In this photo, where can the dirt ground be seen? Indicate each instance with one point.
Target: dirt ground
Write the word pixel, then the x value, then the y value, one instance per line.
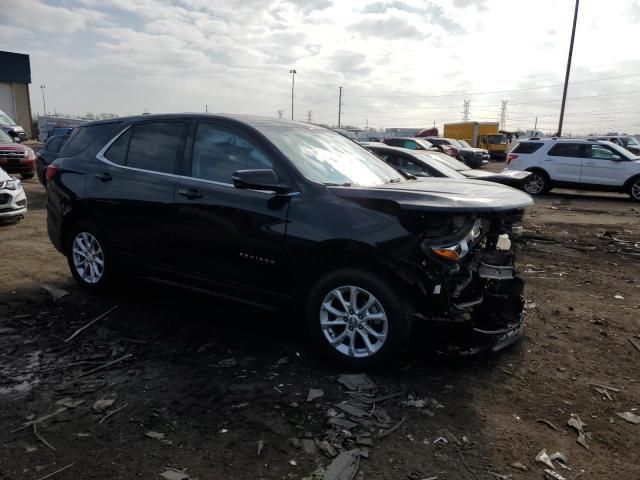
pixel 219 391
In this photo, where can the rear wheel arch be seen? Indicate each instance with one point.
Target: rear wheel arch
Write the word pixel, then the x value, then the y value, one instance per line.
pixel 629 185
pixel 545 180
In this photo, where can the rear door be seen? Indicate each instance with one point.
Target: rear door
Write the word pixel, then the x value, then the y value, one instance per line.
pixel 234 237
pixel 563 162
pixel 602 165
pixel 133 183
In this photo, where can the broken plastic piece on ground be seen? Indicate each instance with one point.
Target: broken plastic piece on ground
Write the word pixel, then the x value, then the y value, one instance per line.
pixel 105 402
pixel 551 475
pixel 579 425
pixel 344 466
pixel 561 459
pixel 173 474
pixel 520 466
pixel 358 382
pixel 55 292
pixel 629 417
pixel 352 410
pixel 314 393
pixel 500 476
pixel 542 457
pixel 260 446
pixel 547 423
pixel 154 435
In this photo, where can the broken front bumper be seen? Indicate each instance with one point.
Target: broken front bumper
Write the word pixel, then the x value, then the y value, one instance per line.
pixel 480 305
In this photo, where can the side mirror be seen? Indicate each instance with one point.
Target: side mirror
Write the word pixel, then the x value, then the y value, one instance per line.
pixel 259 179
pixel 616 158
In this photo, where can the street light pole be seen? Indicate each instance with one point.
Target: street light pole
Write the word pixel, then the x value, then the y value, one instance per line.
pixel 293 85
pixel 44 104
pixel 566 77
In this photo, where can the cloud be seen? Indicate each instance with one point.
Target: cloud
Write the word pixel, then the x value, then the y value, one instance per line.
pixel 346 62
pixel 479 4
pixel 50 18
pixel 431 13
pixel 390 28
pixel 308 6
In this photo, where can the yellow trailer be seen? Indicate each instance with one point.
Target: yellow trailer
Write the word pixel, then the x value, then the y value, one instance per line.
pixel 479 134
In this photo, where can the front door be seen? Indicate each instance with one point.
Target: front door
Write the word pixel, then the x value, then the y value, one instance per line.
pixel 133 183
pixel 234 237
pixel 602 165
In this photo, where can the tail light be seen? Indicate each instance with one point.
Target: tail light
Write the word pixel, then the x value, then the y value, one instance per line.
pixel 52 170
pixel 511 156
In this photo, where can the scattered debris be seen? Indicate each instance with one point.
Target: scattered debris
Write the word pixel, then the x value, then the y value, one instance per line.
pixel 308 446
pixel 579 425
pixel 57 471
pixel 357 382
pixel 104 403
pixel 55 292
pixel 293 462
pixel 618 297
pixel 606 387
pixel 605 392
pixel 552 475
pixel 342 422
pixel 634 343
pixel 547 423
pixel 315 475
pixel 326 448
pixel 42 439
pixel 499 476
pixel 520 466
pixel 314 393
pixel 70 402
pixel 352 410
pixel 260 446
pixel 561 459
pixel 542 457
pixel 173 474
pixel 344 466
pixel 392 429
pixel 229 362
pixel 97 319
pixel 629 417
pixel 113 412
pixel 107 365
pixel 154 435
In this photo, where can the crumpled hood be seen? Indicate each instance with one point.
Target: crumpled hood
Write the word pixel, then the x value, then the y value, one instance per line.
pixel 4 176
pixel 442 194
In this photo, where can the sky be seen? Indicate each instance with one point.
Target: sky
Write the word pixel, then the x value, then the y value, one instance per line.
pixel 400 63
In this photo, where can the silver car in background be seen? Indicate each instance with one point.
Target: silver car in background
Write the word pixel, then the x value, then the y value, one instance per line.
pixel 13 200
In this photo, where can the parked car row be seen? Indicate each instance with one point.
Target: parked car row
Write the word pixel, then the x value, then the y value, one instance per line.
pixel 290 215
pixel 15 157
pixel 576 163
pixel 13 201
pixel 473 157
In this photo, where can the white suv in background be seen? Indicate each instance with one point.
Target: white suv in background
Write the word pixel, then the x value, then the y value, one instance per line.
pixel 576 163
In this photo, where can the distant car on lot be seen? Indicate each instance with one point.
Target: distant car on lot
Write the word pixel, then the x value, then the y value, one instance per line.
pixel 276 214
pixel 345 133
pixel 436 164
pixel 474 157
pixel 13 201
pixel 630 143
pixel 576 163
pixel 16 158
pixel 11 128
pixel 421 144
pixel 48 153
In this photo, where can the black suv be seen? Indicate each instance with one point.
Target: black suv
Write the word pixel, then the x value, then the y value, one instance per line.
pixel 284 214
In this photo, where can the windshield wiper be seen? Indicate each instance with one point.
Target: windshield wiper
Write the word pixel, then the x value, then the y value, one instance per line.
pixel 329 184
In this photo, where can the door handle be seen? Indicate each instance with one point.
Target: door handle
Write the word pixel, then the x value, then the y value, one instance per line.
pixel 190 193
pixel 548 159
pixel 590 163
pixel 103 177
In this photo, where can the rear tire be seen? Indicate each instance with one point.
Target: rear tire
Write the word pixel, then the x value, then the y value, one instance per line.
pixel 537 183
pixel 634 190
pixel 357 318
pixel 89 257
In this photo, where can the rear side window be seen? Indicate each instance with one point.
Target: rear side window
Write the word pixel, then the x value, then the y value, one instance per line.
pixel 117 152
pixel 527 147
pixel 83 137
pixel 55 144
pixel 155 146
pixel 565 150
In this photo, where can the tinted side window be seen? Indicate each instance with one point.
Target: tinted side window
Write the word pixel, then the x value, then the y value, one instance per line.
pixel 83 137
pixel 410 144
pixel 600 152
pixel 155 146
pixel 565 150
pixel 527 147
pixel 54 145
pixel 218 152
pixel 393 142
pixel 117 152
pixel 409 166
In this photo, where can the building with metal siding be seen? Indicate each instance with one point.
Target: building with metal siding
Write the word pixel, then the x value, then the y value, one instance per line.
pixel 15 77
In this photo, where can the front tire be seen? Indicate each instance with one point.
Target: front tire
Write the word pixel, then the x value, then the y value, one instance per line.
pixel 89 257
pixel 357 318
pixel 536 184
pixel 634 190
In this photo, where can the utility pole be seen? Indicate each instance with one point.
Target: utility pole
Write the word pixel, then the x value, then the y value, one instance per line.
pixel 367 124
pixel 44 104
pixel 339 106
pixel 308 116
pixel 466 112
pixel 293 85
pixel 206 108
pixel 566 76
pixel 535 127
pixel 280 113
pixel 503 115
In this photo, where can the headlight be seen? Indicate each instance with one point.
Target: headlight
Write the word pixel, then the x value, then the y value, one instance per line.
pixel 459 249
pixel 13 184
pixel 30 154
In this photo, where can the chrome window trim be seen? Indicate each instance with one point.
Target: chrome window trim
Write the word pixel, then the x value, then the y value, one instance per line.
pixel 101 157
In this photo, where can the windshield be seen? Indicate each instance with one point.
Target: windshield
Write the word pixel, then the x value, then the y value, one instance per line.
pixel 630 141
pixel 4 138
pixel 449 161
pixel 464 143
pixel 435 162
pixel 497 139
pixel 6 119
pixel 327 157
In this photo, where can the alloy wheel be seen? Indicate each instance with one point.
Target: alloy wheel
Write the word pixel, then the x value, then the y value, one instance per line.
pixel 535 184
pixel 353 321
pixel 88 258
pixel 635 190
